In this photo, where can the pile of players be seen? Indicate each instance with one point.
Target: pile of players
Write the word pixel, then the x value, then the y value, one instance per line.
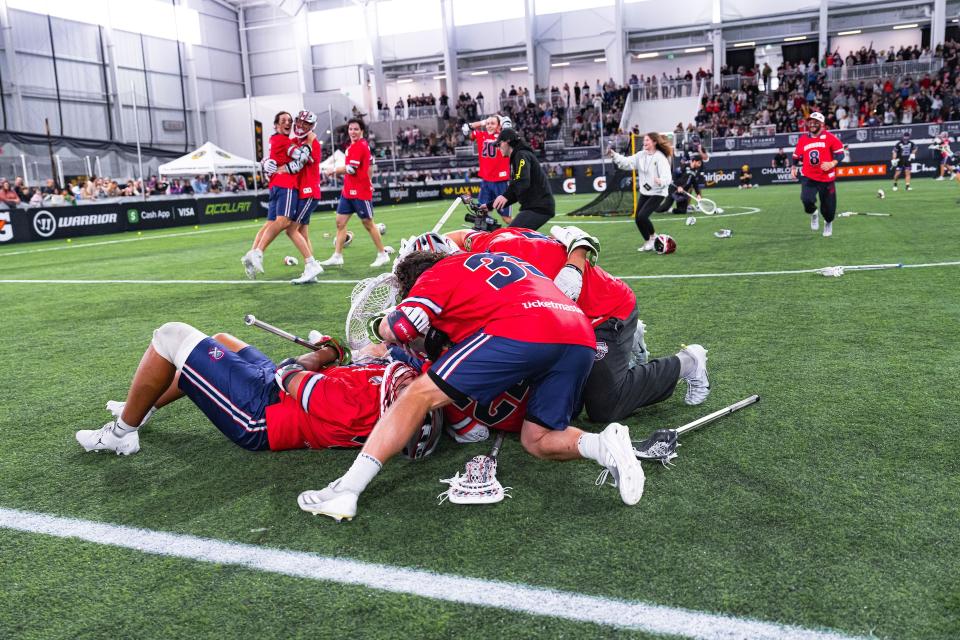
pixel 510 329
pixel 293 168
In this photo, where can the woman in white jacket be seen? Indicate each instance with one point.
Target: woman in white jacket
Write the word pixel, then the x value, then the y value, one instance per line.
pixel 654 176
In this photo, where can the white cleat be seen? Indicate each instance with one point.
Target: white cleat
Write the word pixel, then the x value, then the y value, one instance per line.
pixel 815 220
pixel 382 259
pixel 473 431
pixel 939 178
pixel 310 272
pixel 698 386
pixel 827 229
pixel 336 260
pixel 104 439
pixel 248 265
pixel 333 502
pixel 621 463
pixel 895 188
pixel 647 246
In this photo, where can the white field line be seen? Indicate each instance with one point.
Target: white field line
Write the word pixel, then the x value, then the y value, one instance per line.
pixel 749 212
pixel 663 276
pixel 445 587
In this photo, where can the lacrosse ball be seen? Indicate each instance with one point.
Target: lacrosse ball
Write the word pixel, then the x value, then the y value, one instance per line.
pixel 290 261
pixel 69 240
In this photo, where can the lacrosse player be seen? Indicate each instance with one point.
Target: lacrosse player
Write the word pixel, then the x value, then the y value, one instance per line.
pixel 288 155
pixel 494 167
pixel 819 152
pixel 357 195
pixel 315 401
pixel 308 184
pixel 941 146
pixel 621 380
pixel 508 322
pixel 904 152
pixel 687 184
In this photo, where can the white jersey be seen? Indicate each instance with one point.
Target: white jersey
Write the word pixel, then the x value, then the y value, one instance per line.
pixel 653 171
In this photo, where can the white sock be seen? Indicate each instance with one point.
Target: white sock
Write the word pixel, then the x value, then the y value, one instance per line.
pixel 360 473
pixel 258 252
pixel 121 428
pixel 311 259
pixel 589 446
pixel 688 364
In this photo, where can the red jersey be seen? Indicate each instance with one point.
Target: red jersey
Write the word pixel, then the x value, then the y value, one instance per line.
pixel 357 186
pixel 602 297
pixel 493 166
pixel 342 405
pixel 506 413
pixel 308 180
pixel 500 294
pixel 814 151
pixel 280 153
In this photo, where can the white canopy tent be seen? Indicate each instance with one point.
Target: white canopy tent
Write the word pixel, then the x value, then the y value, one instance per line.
pixel 208 158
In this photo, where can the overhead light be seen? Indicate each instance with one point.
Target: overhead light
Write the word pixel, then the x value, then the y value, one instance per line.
pixel 906 26
pixel 745 44
pixel 524 68
pixel 955 20
pixel 852 32
pixel 439 77
pixel 652 54
pixel 405 81
pixel 599 59
pixel 694 49
pixel 795 38
pixel 479 73
pixel 560 64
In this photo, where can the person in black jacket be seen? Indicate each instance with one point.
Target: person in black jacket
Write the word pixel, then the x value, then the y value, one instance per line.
pixel 528 183
pixel 686 184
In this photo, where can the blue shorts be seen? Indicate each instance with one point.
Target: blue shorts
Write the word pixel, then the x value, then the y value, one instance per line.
pixel 483 366
pixel 363 208
pixel 305 207
pixel 282 202
pixel 490 190
pixel 232 389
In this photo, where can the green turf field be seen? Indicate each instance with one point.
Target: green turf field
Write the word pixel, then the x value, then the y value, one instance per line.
pixel 831 504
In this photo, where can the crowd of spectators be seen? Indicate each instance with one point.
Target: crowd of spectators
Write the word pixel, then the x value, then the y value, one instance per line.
pixel 101 188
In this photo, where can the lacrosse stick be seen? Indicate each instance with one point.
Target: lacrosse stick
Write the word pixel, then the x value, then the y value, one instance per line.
pixel 478 484
pixel 251 321
pixel 662 444
pixel 847 214
pixel 446 216
pixel 706 206
pixel 370 298
pixel 839 271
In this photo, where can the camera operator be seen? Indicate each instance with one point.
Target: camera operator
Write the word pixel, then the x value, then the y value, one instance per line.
pixel 528 183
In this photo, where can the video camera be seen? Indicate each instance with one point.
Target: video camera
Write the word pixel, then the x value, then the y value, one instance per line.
pixel 478 216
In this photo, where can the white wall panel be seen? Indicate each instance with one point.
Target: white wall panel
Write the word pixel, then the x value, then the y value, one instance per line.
pixel 652 15
pixel 35 110
pixel 161 55
pixel 218 65
pixel 80 79
pixel 412 45
pixel 269 85
pixel 76 40
pixel 165 90
pixel 83 120
pixel 29 31
pixel 334 79
pixel 35 71
pixel 132 77
pixel 661 65
pixel 491 35
pixel 127 49
pixel 219 33
pixel 222 91
pixel 738 9
pixel 273 63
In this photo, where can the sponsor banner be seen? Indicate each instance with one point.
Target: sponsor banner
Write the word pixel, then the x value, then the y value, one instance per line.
pixel 848 136
pixel 7 226
pixel 861 170
pixel 225 209
pixel 158 215
pixel 68 222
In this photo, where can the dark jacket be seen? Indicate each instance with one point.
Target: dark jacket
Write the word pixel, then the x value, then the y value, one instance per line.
pixel 528 182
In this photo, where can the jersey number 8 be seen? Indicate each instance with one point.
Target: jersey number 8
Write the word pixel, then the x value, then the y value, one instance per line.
pixel 814 157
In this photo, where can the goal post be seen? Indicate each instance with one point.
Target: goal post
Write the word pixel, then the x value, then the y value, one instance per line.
pixel 619 197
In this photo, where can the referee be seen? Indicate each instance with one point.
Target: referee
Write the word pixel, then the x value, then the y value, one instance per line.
pixel 528 183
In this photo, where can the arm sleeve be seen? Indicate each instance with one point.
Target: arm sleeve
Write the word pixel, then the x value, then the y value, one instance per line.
pixel 310 393
pixel 626 163
pixel 836 148
pixel 663 169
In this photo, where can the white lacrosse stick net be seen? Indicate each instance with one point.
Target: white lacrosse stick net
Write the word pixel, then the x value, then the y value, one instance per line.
pixel 370 297
pixel 477 485
pixel 707 206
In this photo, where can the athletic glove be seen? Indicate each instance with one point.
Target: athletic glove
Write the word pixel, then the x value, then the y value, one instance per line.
pixel 301 154
pixel 269 166
pixel 570 281
pixel 575 238
pixel 466 129
pixel 294 166
pixel 373 329
pixel 352 170
pixel 344 355
pixel 286 370
pixel 894 163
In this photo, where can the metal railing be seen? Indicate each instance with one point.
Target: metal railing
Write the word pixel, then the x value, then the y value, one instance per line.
pixel 663 89
pixel 884 70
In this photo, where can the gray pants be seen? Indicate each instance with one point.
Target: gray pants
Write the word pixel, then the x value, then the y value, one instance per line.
pixel 613 390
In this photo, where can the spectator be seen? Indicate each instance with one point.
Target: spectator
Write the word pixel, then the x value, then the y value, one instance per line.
pixel 8 194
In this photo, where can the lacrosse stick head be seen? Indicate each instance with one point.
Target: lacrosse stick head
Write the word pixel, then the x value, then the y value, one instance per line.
pixel 707 206
pixel 477 485
pixel 370 298
pixel 661 447
pixel 397 377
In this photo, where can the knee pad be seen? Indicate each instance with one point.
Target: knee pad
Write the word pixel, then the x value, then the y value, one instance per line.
pixel 175 340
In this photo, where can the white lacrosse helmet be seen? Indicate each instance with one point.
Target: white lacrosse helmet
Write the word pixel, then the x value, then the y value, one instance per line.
pixel 304 123
pixel 397 377
pixel 430 241
pixel 663 244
